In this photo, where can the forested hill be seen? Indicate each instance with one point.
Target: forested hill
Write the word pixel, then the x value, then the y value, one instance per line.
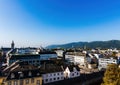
pixel 94 44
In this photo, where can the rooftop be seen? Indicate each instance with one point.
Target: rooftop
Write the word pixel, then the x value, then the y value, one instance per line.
pixel 76 53
pixel 25 73
pixel 50 68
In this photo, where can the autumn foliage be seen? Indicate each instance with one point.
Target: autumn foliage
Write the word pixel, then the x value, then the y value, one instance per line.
pixel 112 75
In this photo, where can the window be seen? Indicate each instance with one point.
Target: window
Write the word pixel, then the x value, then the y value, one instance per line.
pixel 54 74
pixel 62 77
pixel 21 82
pixel 3 80
pixel 57 73
pixel 26 62
pixel 15 83
pixel 77 73
pixel 27 81
pixel 73 74
pixel 61 73
pixel 12 75
pixel 32 80
pixel 46 80
pixel 21 75
pixel 30 74
pixel 54 78
pixel 50 79
pixel 46 75
pixel 38 74
pixel 58 78
pixel 38 82
pixel 9 83
pixel 30 61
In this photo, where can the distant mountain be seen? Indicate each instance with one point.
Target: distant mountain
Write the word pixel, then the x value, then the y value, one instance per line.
pixel 94 44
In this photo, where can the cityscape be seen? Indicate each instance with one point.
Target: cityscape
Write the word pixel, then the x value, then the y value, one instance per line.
pixel 41 66
pixel 66 42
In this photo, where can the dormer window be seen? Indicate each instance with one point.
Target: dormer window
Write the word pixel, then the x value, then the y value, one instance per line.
pixel 38 74
pixel 74 69
pixel 12 75
pixel 30 73
pixel 21 74
pixel 6 74
pixel 73 74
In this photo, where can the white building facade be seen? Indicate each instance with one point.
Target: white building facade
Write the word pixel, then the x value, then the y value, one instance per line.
pixel 69 58
pixel 81 60
pixel 71 72
pixel 103 62
pixel 52 77
pixel 59 53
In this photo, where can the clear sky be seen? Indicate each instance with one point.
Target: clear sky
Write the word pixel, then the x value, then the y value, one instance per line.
pixel 45 22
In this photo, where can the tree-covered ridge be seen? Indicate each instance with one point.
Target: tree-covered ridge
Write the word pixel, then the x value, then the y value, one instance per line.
pixel 94 44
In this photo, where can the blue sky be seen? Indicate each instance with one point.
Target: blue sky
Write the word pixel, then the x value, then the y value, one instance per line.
pixel 45 22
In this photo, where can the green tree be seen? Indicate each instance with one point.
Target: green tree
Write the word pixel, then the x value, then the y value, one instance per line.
pixel 112 75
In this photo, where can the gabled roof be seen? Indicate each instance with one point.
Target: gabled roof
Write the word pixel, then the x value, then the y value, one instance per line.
pixel 50 68
pixel 34 73
pixel 71 67
pixel 19 66
pixel 23 68
pixel 76 53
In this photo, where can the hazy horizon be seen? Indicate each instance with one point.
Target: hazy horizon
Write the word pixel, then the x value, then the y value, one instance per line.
pixel 38 46
pixel 38 23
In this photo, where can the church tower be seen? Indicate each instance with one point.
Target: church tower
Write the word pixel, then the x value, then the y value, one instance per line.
pixel 12 45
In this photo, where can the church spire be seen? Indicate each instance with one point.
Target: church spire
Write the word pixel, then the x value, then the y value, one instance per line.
pixel 12 45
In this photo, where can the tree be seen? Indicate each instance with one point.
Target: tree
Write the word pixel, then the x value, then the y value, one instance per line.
pixel 114 54
pixel 112 75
